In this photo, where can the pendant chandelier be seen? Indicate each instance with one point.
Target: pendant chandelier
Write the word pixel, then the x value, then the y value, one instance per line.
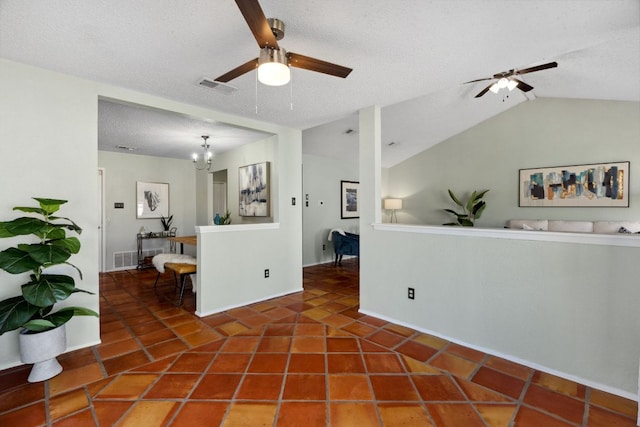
pixel 205 161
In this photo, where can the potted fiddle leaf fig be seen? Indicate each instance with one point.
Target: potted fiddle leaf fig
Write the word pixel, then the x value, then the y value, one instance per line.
pixel 42 327
pixel 471 209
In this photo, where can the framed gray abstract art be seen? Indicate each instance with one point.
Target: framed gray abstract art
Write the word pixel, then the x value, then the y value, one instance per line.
pixel 253 181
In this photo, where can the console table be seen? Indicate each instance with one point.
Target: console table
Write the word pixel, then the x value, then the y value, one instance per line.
pixel 189 240
pixel 141 237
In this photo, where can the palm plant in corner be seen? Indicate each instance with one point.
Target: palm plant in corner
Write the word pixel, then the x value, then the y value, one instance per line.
pixel 471 210
pixel 43 333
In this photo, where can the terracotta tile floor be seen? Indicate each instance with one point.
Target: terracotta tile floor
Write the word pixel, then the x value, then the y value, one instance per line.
pixel 306 359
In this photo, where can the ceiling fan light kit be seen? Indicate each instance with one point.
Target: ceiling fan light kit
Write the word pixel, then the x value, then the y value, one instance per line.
pixel 273 67
pixel 502 84
pixel 274 62
pixel 508 80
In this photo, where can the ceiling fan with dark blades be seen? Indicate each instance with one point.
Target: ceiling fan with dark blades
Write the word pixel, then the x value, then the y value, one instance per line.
pixel 274 62
pixel 507 79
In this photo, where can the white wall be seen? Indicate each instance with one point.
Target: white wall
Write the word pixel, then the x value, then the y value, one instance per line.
pixel 48 148
pixel 321 181
pixel 540 133
pixel 122 171
pixel 570 309
pixel 561 307
pixel 48 137
pixel 232 258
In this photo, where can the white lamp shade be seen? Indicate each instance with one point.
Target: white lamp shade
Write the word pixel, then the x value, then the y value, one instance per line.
pixel 502 83
pixel 274 74
pixel 274 67
pixel 393 204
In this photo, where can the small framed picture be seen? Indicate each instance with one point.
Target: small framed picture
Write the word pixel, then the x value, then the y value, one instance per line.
pixel 152 200
pixel 349 207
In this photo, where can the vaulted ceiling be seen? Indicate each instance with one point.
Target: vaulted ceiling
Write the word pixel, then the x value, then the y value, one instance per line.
pixel 410 57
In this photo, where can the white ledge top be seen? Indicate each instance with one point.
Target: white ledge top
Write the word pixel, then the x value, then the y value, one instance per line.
pixel 203 229
pixel 632 240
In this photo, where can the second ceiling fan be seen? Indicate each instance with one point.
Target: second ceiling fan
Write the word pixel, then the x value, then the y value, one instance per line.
pixel 507 79
pixel 274 62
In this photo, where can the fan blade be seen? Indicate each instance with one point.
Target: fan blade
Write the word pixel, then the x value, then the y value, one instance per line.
pixel 537 68
pixel 238 71
pixel 485 90
pixel 257 22
pixel 301 61
pixel 478 80
pixel 522 85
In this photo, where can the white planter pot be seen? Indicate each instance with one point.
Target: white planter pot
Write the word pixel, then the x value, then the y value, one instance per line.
pixel 41 349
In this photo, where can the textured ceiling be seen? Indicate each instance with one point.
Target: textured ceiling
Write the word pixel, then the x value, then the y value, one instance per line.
pixel 414 51
pixel 153 132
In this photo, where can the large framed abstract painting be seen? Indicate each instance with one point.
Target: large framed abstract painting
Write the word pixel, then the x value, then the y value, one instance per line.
pixel 590 185
pixel 152 200
pixel 349 207
pixel 253 181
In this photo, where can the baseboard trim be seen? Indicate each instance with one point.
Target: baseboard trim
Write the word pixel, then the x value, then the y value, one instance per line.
pixel 231 307
pixel 533 365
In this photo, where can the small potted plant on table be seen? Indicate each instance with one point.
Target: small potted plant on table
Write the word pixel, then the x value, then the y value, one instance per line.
pixel 43 334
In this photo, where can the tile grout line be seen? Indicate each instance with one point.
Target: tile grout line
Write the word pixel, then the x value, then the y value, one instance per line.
pixel 587 406
pixel 195 384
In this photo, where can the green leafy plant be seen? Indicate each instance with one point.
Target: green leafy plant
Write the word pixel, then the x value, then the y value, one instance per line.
pixel 48 247
pixel 166 222
pixel 226 219
pixel 471 210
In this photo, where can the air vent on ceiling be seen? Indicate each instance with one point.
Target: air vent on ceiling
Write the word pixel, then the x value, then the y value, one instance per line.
pixel 125 148
pixel 223 88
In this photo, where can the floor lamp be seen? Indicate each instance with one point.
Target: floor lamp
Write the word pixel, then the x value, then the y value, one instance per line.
pixel 393 205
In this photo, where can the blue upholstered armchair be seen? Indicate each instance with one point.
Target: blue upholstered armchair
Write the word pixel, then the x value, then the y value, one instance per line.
pixel 349 244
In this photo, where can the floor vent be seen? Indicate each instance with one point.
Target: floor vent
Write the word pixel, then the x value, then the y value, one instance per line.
pixel 125 260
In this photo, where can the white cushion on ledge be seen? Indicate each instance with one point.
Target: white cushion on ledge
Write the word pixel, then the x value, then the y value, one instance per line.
pixel 529 224
pixel 571 226
pixel 598 227
pixel 608 227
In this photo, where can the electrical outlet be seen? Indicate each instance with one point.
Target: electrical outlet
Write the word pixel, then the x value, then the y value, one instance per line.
pixel 266 273
pixel 293 201
pixel 324 247
pixel 306 203
pixel 411 294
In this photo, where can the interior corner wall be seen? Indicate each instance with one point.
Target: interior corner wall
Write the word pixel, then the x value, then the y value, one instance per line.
pixel 540 133
pixel 48 143
pixel 232 258
pixel 555 306
pixel 122 171
pixel 321 178
pixel 203 197
pixel 48 148
pixel 260 151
